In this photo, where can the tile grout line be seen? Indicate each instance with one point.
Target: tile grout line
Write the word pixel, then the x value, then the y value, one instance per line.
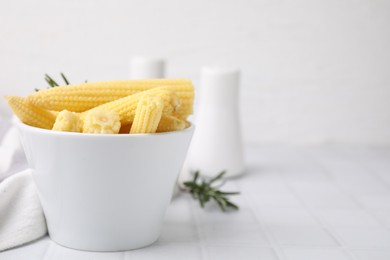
pixel 202 246
pixel 381 180
pixel 273 244
pixel 48 249
pixel 324 225
pixel 368 168
pixel 350 196
pixel 326 171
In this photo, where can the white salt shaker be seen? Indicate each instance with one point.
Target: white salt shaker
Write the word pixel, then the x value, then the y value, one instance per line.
pixel 217 143
pixel 147 68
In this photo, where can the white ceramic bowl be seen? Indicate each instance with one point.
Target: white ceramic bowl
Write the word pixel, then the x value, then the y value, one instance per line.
pixel 104 192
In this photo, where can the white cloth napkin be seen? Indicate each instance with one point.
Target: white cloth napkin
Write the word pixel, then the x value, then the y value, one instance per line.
pixel 21 216
pixel 12 157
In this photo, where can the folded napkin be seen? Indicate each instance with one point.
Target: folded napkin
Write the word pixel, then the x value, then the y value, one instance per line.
pixel 21 216
pixel 12 157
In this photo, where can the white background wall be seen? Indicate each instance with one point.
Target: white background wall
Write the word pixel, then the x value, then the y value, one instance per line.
pixel 313 71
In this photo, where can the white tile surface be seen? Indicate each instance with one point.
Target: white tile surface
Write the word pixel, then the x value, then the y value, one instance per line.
pixel 282 217
pixel 166 252
pixel 307 253
pixel 383 216
pixel 303 236
pixel 347 218
pixel 217 218
pixel 286 217
pixel 327 200
pixel 34 251
pixel 307 187
pixel 179 225
pixel 375 201
pixel 240 252
pixel 45 249
pixel 233 235
pixel 58 252
pixel 178 232
pixel 371 254
pixel 274 199
pixel 365 237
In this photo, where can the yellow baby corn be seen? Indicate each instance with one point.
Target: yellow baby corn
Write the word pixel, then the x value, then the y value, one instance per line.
pixel 54 113
pixel 170 123
pixel 147 115
pixel 82 97
pixel 100 121
pixel 186 96
pixel 68 122
pixel 126 107
pixel 30 114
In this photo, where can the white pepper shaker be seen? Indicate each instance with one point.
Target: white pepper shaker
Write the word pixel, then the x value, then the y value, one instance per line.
pixel 147 68
pixel 217 143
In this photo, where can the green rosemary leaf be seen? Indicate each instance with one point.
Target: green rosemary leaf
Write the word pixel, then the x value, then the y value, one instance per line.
pixel 232 205
pixel 219 176
pixel 203 191
pixel 64 78
pixel 50 81
pixel 228 193
pixel 196 175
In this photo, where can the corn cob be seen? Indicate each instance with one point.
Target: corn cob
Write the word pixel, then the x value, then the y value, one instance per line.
pixel 30 114
pixel 186 96
pixel 126 107
pixel 99 121
pixel 68 122
pixel 170 123
pixel 147 115
pixel 54 113
pixel 82 97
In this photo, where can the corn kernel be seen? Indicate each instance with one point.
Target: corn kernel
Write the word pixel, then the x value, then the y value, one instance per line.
pixel 147 115
pixel 100 121
pixel 30 114
pixel 68 122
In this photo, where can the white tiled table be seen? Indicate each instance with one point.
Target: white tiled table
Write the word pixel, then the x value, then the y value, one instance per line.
pixel 320 203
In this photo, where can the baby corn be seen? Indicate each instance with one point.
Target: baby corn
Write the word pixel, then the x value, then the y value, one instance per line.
pixel 67 121
pixel 30 114
pixel 82 97
pixel 186 96
pixel 126 107
pixel 147 115
pixel 170 123
pixel 100 121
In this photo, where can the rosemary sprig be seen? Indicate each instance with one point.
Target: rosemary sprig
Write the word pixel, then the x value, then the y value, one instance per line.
pixel 204 191
pixel 52 83
pixel 65 79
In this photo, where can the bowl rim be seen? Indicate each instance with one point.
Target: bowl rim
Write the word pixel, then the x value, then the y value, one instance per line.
pixel 22 125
